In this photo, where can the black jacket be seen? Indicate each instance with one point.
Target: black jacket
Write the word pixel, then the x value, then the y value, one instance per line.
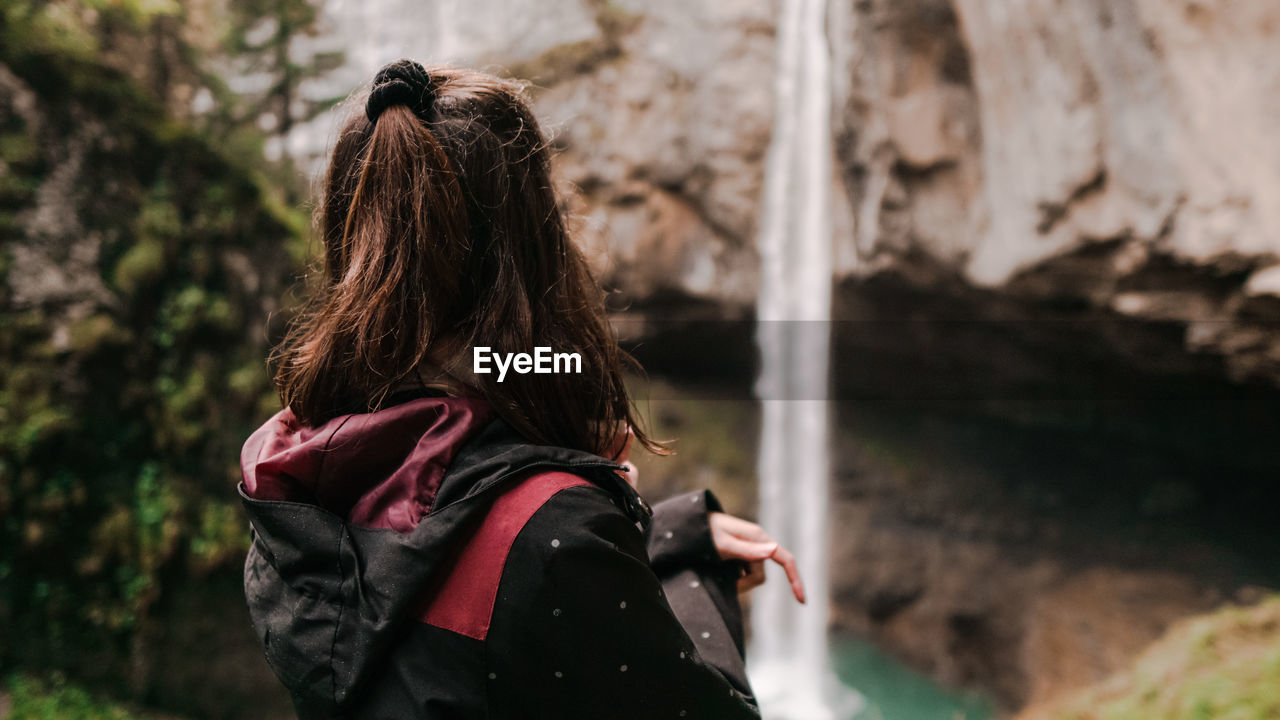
pixel 424 561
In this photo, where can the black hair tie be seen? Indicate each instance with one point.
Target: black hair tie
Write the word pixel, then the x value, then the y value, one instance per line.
pixel 403 82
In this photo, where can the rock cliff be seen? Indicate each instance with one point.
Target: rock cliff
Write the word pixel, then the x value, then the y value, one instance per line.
pixel 1110 159
pixel 1114 158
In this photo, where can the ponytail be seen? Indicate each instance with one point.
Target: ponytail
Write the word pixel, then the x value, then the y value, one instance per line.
pixel 442 232
pixel 399 260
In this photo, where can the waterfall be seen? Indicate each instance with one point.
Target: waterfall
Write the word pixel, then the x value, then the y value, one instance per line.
pixel 789 656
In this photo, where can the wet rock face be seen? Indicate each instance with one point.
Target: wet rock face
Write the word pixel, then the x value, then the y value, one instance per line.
pixel 1112 157
pixel 1118 156
pixel 668 171
pixel 660 114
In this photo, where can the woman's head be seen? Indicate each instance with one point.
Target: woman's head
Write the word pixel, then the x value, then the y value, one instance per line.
pixel 441 233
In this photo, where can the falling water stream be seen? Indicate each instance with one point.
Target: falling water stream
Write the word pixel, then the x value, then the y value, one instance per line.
pixel 789 653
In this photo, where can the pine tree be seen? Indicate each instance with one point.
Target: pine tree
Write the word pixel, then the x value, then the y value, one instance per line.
pixel 271 59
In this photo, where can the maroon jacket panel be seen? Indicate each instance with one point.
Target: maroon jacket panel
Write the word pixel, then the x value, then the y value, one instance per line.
pixel 463 601
pixel 376 470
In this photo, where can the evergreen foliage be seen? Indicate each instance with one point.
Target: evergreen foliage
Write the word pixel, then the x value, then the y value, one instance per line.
pixel 56 699
pixel 265 44
pixel 127 386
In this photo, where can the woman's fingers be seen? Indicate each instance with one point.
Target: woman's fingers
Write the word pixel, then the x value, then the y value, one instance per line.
pixel 754 577
pixel 735 548
pixel 738 539
pixel 743 528
pixel 788 563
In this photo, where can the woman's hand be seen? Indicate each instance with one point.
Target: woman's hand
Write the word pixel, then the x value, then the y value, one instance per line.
pixel 738 539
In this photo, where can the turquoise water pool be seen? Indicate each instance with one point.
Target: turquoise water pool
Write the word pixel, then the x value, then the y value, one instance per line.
pixel 896 692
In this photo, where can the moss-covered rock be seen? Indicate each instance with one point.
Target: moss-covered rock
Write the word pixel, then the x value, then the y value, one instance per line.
pixel 137 265
pixel 31 698
pixel 1221 666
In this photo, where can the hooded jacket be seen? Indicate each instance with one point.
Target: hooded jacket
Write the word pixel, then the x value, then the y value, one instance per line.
pixel 425 561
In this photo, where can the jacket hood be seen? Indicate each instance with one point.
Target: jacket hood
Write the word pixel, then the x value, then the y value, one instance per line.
pixel 353 518
pixel 375 470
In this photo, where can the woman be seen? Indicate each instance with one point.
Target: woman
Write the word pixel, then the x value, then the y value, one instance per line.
pixel 431 541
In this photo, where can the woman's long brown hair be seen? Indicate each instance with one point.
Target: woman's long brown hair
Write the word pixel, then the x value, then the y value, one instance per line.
pixel 442 232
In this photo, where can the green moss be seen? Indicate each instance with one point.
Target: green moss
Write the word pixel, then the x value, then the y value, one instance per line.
pixel 95 332
pixel 57 29
pixel 300 247
pixel 66 29
pixel 195 309
pixel 17 189
pixel 223 536
pixel 42 424
pixel 141 266
pixel 160 218
pixel 119 439
pixel 613 19
pixel 249 381
pixel 569 60
pixel 55 699
pixel 184 404
pixel 565 61
pixel 18 149
pixel 1221 666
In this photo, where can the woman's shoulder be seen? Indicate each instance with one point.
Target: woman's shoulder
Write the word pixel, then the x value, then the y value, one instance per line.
pixel 562 510
pixel 545 510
